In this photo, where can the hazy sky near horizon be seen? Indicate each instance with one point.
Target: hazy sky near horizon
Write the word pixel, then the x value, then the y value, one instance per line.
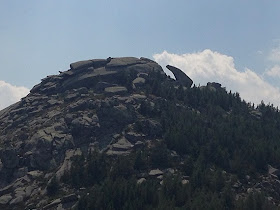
pixel 236 43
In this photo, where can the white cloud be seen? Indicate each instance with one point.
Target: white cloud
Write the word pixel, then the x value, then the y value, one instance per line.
pixel 274 54
pixel 10 94
pixel 209 66
pixel 274 71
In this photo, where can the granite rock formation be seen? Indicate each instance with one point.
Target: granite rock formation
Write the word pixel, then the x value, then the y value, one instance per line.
pixel 181 77
pixel 93 104
pixel 103 106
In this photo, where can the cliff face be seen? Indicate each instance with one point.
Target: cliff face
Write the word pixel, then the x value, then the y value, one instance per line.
pixel 94 104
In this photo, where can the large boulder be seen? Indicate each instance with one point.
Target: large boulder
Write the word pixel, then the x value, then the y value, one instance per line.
pixel 125 61
pixel 138 82
pixel 81 64
pixel 214 86
pixel 88 79
pixel 96 63
pixel 180 76
pixel 116 90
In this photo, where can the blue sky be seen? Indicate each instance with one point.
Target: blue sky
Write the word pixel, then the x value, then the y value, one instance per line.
pixel 39 38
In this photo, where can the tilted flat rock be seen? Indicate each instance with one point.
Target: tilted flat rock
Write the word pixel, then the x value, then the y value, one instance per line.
pixel 180 76
pixel 155 172
pixel 116 90
pixel 139 81
pixel 89 63
pixel 81 64
pixel 125 61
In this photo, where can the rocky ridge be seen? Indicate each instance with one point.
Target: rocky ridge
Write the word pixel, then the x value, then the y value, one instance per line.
pixel 94 104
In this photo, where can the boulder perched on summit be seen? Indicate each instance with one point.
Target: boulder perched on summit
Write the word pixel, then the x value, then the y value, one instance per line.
pixel 89 74
pixel 214 86
pixel 180 76
pixel 89 63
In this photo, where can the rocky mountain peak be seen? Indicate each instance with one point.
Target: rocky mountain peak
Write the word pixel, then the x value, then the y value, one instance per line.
pixel 98 74
pixel 95 104
pixel 122 125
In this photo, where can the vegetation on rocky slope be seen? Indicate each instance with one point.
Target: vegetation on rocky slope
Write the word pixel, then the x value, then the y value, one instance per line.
pixel 219 140
pixel 118 133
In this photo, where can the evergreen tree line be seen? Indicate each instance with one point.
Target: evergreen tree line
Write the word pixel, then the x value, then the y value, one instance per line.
pixel 209 129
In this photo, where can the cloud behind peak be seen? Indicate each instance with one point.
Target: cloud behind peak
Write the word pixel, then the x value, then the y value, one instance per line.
pixel 210 66
pixel 10 94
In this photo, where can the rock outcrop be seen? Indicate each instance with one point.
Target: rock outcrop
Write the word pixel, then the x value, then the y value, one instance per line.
pixel 180 76
pixel 214 86
pixel 102 107
pixel 89 73
pixel 94 104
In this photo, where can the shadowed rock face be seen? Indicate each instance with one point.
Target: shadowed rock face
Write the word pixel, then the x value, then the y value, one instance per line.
pixel 180 76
